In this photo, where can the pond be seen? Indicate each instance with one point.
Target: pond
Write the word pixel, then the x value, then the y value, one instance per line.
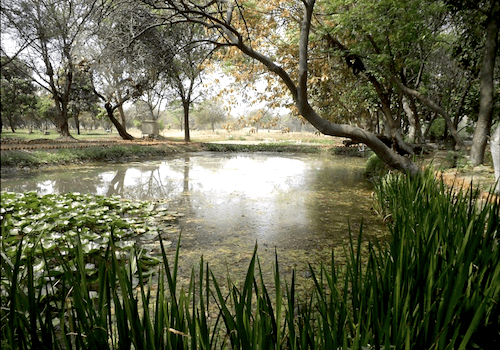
pixel 299 205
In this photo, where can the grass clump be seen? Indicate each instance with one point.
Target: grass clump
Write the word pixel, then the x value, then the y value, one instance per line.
pixel 440 274
pixel 434 285
pixel 262 147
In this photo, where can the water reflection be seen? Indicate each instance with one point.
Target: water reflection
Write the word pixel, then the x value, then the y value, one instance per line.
pixel 300 204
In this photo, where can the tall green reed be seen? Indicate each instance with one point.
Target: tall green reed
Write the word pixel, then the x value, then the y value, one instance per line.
pixel 439 277
pixel 433 285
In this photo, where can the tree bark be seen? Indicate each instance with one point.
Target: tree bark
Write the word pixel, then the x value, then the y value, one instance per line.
pixel 77 123
pixel 62 120
pixel 414 133
pixel 483 124
pixel 495 154
pixel 121 111
pixel 185 107
pixel 121 130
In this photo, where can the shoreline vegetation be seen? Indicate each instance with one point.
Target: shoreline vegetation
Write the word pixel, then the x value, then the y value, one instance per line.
pixel 31 154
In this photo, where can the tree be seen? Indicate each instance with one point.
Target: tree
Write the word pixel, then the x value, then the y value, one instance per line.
pixel 82 96
pixel 18 98
pixel 211 112
pixel 390 44
pixel 50 30
pixel 186 68
pixel 227 26
pixel 471 15
pixel 131 58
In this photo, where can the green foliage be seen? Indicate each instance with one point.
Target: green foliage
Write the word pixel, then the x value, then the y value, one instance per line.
pixel 18 98
pixel 437 128
pixel 70 155
pixel 375 167
pixel 54 224
pixel 262 147
pixel 434 285
pixel 439 278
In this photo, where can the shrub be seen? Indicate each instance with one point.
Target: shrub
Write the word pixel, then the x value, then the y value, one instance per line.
pixel 375 167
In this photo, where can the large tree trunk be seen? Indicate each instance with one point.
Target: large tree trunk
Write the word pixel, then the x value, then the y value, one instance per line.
pixel 121 130
pixel 483 124
pixel 77 123
pixel 495 154
pixel 121 111
pixel 63 126
pixel 298 88
pixel 61 117
pixel 414 132
pixel 299 93
pixel 185 106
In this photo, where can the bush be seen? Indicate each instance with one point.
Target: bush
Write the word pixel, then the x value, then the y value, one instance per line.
pixel 437 128
pixel 375 167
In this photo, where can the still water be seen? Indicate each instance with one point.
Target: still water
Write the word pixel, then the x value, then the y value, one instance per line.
pixel 300 206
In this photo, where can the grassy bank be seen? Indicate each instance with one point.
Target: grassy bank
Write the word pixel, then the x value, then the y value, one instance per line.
pixel 32 159
pixel 64 156
pixel 434 285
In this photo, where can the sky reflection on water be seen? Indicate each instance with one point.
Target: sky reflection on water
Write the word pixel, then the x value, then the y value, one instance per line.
pixel 297 204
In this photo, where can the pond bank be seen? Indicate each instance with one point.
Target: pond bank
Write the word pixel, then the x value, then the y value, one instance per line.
pixel 27 156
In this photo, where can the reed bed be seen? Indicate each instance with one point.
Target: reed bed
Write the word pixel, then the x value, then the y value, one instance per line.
pixel 435 284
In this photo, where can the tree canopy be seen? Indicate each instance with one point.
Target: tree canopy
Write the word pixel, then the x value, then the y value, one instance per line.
pixel 382 72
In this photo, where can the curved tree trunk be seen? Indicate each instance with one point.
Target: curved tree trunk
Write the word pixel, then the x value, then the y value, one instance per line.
pixel 298 88
pixel 483 124
pixel 121 130
pixel 299 93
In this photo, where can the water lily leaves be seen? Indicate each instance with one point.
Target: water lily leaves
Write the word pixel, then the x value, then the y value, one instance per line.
pixel 52 225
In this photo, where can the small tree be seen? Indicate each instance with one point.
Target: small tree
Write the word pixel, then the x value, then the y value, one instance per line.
pixel 18 98
pixel 211 112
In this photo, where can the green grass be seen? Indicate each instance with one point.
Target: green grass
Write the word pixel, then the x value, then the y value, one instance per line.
pixel 433 285
pixel 262 147
pixel 34 159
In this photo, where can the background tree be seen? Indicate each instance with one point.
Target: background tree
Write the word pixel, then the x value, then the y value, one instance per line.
pixel 18 98
pixel 186 68
pixel 388 44
pixel 82 97
pixel 131 58
pixel 479 23
pixel 50 30
pixel 211 112
pixel 46 110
